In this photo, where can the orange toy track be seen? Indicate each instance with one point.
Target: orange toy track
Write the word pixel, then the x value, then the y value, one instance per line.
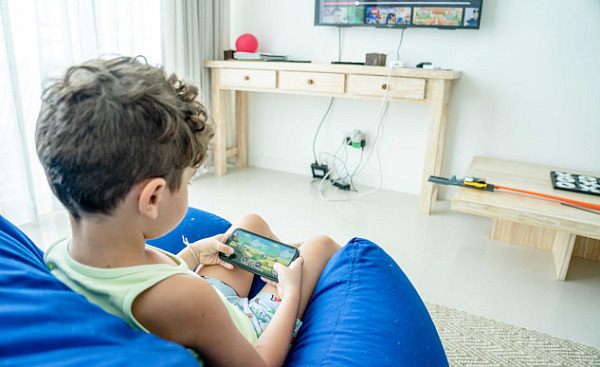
pixel 557 198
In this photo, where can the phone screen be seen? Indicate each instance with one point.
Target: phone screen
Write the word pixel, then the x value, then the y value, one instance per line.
pixel 258 254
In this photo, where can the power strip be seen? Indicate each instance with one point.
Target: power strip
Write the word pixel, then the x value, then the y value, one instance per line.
pixel 341 185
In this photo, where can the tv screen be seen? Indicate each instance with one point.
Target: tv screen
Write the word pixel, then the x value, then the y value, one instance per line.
pixel 451 14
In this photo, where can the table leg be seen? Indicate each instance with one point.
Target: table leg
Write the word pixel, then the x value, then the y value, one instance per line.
pixel 561 252
pixel 440 152
pixel 241 127
pixel 521 234
pixel 220 124
pixel 434 145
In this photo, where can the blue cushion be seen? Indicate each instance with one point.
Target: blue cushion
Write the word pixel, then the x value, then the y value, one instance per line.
pixel 196 225
pixel 45 323
pixel 364 311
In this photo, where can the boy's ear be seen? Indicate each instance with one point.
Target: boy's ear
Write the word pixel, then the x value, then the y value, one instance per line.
pixel 151 193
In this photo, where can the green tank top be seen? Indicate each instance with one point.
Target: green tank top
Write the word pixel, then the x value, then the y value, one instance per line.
pixel 115 289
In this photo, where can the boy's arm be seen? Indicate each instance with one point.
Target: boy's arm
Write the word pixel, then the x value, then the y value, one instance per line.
pixel 206 252
pixel 274 343
pixel 187 310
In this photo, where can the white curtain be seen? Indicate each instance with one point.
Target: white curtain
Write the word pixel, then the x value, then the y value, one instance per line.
pixel 193 32
pixel 39 40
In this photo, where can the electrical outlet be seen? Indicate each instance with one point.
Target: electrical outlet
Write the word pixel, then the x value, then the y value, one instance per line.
pixel 355 139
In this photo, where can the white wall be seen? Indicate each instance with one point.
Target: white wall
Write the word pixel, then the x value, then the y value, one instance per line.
pixel 530 89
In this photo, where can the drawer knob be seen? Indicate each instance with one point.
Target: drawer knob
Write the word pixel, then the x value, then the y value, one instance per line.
pixel 246 77
pixel 310 81
pixel 383 86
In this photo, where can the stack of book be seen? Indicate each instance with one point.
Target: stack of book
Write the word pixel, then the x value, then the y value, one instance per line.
pixel 258 56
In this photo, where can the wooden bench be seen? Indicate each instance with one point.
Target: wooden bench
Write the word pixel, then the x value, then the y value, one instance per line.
pixel 528 220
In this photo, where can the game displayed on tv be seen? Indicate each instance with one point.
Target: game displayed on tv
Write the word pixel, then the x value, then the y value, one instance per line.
pixel 438 16
pixel 387 15
pixel 451 14
pixel 343 15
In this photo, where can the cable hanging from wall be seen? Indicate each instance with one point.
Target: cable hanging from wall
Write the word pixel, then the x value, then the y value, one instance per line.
pixel 343 174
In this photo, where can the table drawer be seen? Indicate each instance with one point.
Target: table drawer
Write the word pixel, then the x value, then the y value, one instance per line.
pixel 371 85
pixel 246 78
pixel 315 82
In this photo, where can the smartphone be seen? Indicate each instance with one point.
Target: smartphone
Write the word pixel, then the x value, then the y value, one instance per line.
pixel 257 254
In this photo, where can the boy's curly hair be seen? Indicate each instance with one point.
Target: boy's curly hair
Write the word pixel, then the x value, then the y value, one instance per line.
pixel 110 124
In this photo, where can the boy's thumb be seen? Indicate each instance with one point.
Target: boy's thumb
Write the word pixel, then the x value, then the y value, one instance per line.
pixel 299 261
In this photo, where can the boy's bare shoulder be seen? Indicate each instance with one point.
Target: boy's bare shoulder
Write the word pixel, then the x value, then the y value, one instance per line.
pixel 186 309
pixel 168 308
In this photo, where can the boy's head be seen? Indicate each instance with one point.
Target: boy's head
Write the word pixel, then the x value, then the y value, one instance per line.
pixel 108 125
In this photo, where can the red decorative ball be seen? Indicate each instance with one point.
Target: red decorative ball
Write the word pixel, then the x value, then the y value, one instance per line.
pixel 246 43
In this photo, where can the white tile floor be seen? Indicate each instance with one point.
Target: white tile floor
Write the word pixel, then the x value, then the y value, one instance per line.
pixel 447 255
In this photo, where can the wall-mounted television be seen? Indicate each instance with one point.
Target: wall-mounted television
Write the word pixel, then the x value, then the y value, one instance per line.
pixel 450 14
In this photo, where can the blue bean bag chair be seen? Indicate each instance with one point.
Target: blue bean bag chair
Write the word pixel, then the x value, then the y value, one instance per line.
pixel 364 311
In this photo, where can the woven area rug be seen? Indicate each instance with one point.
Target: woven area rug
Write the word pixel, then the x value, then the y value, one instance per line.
pixel 471 340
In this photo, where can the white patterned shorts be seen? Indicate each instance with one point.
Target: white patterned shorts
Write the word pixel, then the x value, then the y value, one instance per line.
pixel 259 310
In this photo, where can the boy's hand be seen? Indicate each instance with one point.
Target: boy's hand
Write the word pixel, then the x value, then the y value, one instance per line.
pixel 208 249
pixel 290 278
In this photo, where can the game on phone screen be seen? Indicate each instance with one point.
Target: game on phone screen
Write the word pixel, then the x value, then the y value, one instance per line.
pixel 258 254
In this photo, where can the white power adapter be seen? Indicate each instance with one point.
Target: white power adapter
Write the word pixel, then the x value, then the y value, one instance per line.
pixel 397 64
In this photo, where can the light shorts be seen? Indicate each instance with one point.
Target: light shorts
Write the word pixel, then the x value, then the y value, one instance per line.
pixel 259 310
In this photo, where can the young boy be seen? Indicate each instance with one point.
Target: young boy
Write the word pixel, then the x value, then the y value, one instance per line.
pixel 119 142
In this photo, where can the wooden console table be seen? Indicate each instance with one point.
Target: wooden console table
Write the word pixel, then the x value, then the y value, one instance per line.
pixel 528 220
pixel 348 81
